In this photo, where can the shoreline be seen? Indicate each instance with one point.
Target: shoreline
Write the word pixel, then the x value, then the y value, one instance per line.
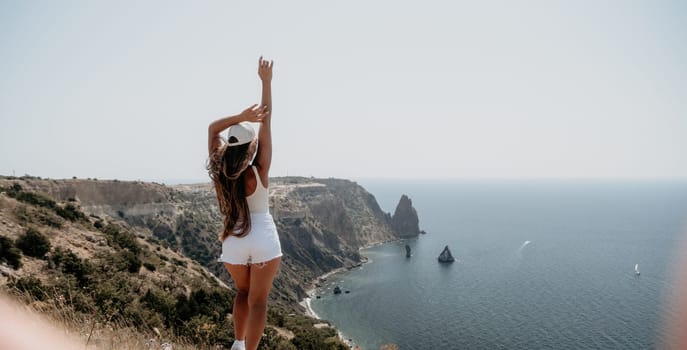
pixel 309 311
pixel 372 245
pixel 312 284
pixel 312 287
pixel 310 291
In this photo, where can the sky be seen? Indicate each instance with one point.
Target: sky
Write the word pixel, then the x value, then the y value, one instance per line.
pixel 361 89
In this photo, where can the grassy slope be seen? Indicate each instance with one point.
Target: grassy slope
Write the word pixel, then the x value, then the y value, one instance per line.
pixel 103 279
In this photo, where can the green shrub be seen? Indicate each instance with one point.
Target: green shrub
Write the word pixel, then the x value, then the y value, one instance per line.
pixel 150 266
pixel 50 219
pixel 29 215
pixel 19 194
pixel 202 315
pixel 121 238
pixel 179 262
pixel 9 253
pixel 70 212
pixel 164 233
pixel 276 317
pixel 33 243
pixel 133 263
pixel 216 304
pixel 317 339
pixel 162 303
pixel 122 260
pixel 11 190
pixel 67 290
pixel 271 340
pixel 70 263
pixel 98 224
pixel 201 329
pixel 31 286
pixel 112 295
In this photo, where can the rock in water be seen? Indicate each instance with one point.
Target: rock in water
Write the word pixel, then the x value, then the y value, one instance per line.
pixel 445 256
pixel 405 221
pixel 407 251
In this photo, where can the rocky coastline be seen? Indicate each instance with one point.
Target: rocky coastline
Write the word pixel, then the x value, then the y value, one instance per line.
pixel 323 226
pixel 323 223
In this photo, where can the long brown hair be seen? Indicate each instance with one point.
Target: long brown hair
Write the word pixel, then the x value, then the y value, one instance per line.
pixel 226 167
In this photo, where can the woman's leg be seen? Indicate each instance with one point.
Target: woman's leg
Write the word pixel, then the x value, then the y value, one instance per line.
pixel 240 274
pixel 261 277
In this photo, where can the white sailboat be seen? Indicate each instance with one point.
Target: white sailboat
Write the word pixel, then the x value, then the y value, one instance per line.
pixel 636 269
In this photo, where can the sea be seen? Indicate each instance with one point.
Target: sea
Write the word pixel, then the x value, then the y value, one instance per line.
pixel 540 264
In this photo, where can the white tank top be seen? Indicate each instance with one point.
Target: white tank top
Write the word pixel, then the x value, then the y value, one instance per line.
pixel 258 202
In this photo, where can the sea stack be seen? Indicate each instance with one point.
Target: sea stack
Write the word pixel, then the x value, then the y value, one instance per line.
pixel 405 221
pixel 407 251
pixel 445 256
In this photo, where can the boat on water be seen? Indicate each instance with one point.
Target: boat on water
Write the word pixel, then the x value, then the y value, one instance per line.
pixel 637 269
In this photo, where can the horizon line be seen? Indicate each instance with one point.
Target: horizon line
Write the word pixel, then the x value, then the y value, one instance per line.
pixel 191 181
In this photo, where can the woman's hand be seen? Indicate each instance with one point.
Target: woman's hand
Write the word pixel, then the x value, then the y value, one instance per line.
pixel 265 70
pixel 254 113
pixel 251 114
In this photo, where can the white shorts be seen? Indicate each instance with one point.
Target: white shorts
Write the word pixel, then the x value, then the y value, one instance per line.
pixel 261 244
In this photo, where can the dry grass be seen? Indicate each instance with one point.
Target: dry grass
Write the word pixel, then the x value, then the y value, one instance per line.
pixel 51 325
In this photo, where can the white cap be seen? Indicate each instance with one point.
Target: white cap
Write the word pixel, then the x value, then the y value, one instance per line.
pixel 243 132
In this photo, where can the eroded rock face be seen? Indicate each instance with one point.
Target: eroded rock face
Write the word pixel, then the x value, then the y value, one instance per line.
pixel 405 221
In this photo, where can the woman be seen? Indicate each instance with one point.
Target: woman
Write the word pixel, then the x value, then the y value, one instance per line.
pixel 251 250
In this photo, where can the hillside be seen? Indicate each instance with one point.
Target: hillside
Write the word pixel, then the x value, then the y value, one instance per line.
pixel 322 222
pixel 97 274
pixel 139 252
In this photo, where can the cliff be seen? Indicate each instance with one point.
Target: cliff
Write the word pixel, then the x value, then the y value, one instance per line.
pixel 405 220
pixel 322 223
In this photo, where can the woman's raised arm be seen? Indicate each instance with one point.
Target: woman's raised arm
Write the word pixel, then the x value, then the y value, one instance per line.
pixel 263 159
pixel 251 114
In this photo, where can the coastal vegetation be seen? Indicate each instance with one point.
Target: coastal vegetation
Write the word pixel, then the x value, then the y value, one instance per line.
pixel 100 272
pixel 143 256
